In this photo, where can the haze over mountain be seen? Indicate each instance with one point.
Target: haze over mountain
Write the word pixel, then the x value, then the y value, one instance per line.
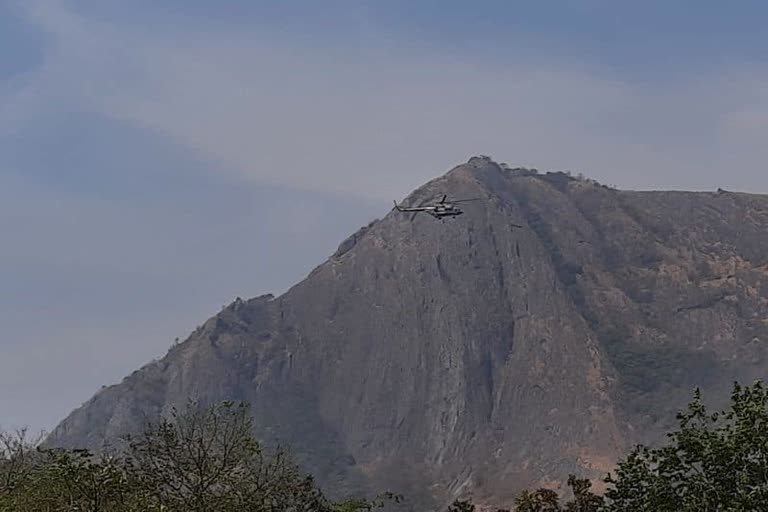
pixel 441 358
pixel 145 146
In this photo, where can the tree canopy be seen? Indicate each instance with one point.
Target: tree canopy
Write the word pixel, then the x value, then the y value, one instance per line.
pixel 714 461
pixel 206 459
pixel 196 460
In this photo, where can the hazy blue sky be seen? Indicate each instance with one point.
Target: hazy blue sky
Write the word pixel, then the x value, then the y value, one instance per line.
pixel 160 158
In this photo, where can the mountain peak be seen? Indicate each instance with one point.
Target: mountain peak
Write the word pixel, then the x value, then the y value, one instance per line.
pixel 540 334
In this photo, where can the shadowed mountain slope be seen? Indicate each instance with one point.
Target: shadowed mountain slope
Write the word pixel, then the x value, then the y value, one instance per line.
pixel 437 358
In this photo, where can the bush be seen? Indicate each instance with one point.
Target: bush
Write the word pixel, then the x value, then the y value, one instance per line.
pixel 197 460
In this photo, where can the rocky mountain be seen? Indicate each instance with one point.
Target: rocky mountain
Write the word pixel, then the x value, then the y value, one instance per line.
pixel 441 358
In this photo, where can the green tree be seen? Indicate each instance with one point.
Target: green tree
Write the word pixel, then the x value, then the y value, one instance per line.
pixel 547 500
pixel 196 460
pixel 71 481
pixel 366 505
pixel 461 506
pixel 584 500
pixel 715 461
pixel 17 458
pixel 540 500
pixel 206 459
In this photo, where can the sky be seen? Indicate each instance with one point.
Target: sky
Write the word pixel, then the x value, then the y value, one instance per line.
pixel 159 159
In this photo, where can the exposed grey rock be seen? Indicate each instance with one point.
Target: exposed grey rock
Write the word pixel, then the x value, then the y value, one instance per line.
pixel 440 358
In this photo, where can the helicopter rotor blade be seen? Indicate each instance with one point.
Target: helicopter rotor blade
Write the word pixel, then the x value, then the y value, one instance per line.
pixel 466 200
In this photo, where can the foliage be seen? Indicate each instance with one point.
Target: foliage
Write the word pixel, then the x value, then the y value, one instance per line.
pixel 547 500
pixel 197 460
pixel 715 461
pixel 584 500
pixel 17 453
pixel 206 459
pixel 365 505
pixel 461 506
pixel 72 481
pixel 540 500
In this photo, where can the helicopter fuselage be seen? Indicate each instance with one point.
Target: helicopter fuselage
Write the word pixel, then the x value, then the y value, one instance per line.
pixel 439 210
pixel 445 211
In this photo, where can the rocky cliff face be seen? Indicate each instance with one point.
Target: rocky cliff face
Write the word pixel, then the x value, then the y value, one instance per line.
pixel 439 358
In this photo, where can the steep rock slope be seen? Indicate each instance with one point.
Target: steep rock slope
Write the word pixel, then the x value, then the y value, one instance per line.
pixel 438 358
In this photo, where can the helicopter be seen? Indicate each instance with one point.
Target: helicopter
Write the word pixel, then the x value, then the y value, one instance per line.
pixel 442 209
pixel 438 210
